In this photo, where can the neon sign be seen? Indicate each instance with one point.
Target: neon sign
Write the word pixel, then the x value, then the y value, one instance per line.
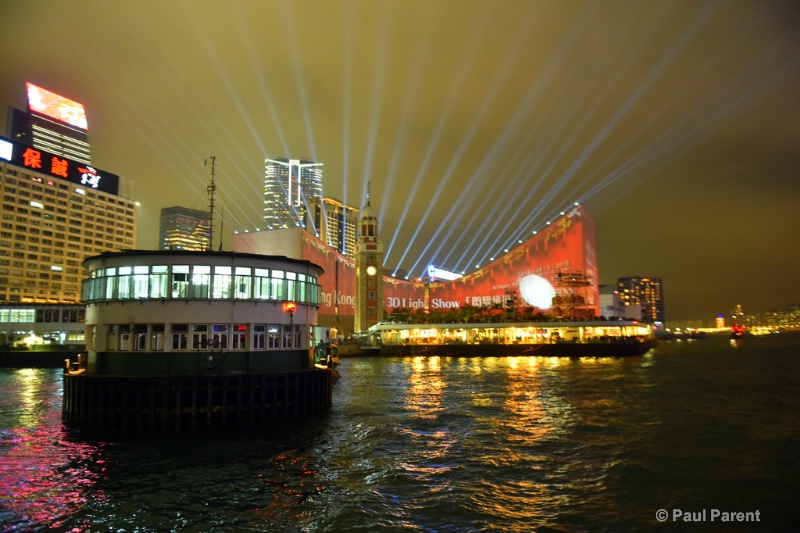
pixel 59 167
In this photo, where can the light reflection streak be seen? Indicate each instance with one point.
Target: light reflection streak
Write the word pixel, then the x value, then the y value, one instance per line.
pixel 45 476
pixel 577 162
pixel 381 53
pixel 426 386
pixel 464 69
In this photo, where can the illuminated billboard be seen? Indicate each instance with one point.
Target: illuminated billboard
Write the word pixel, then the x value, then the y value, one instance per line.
pixel 339 280
pixel 56 106
pixel 529 271
pixel 59 167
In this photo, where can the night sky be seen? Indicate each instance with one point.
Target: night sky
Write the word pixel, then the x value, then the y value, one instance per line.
pixel 676 124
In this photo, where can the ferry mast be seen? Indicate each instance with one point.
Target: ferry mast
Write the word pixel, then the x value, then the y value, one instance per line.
pixel 211 189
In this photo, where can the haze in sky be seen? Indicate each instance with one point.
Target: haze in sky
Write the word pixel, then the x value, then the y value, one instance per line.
pixel 676 124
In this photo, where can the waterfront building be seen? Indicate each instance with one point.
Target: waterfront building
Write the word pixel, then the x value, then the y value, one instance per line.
pixel 289 186
pixel 33 325
pixel 55 212
pixel 646 292
pixel 610 304
pixel 182 228
pixel 218 334
pixel 369 302
pixel 336 224
pixel 575 338
pixel 51 123
pixel 531 270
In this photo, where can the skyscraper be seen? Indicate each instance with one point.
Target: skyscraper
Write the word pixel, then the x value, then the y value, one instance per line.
pixel 182 228
pixel 643 291
pixel 289 187
pixel 55 213
pixel 51 123
pixel 336 224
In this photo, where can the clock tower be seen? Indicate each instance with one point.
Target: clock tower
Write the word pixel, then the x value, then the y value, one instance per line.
pixel 369 271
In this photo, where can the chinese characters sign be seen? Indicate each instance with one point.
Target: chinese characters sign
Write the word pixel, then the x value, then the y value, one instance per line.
pixel 57 166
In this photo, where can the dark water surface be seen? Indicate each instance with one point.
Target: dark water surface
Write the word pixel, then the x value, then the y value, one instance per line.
pixel 439 444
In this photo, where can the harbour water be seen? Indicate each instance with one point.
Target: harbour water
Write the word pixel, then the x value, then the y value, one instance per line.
pixel 693 429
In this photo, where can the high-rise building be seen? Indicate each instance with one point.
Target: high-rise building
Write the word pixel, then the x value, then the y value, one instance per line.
pixel 182 228
pixel 56 211
pixel 610 304
pixel 646 292
pixel 51 123
pixel 336 224
pixel 290 185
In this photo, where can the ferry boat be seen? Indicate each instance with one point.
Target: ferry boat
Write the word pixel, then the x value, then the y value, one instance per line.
pixel 559 339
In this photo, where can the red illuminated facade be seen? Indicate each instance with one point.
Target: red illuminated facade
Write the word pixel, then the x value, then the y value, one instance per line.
pixel 528 272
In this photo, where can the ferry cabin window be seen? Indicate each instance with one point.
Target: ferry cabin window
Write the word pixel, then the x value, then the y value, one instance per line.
pixel 259 336
pixel 274 336
pixel 278 286
pixel 124 283
pixel 180 334
pixel 200 337
pixel 180 281
pixel 157 337
pixel 287 336
pixel 140 281
pixel 222 282
pixel 124 338
pixel 291 286
pixel 261 284
pixel 219 339
pixel 242 283
pixel 201 279
pixel 140 337
pixel 302 294
pixel 158 281
pixel 110 282
pixel 239 337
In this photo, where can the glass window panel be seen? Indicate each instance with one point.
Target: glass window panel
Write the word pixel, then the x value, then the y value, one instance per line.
pixel 222 282
pixel 274 336
pixel 158 281
pixel 180 281
pixel 124 283
pixel 243 283
pixel 201 280
pixel 140 281
pixel 261 284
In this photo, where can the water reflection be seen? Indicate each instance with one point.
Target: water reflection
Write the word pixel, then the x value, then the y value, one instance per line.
pixel 45 475
pixel 431 444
